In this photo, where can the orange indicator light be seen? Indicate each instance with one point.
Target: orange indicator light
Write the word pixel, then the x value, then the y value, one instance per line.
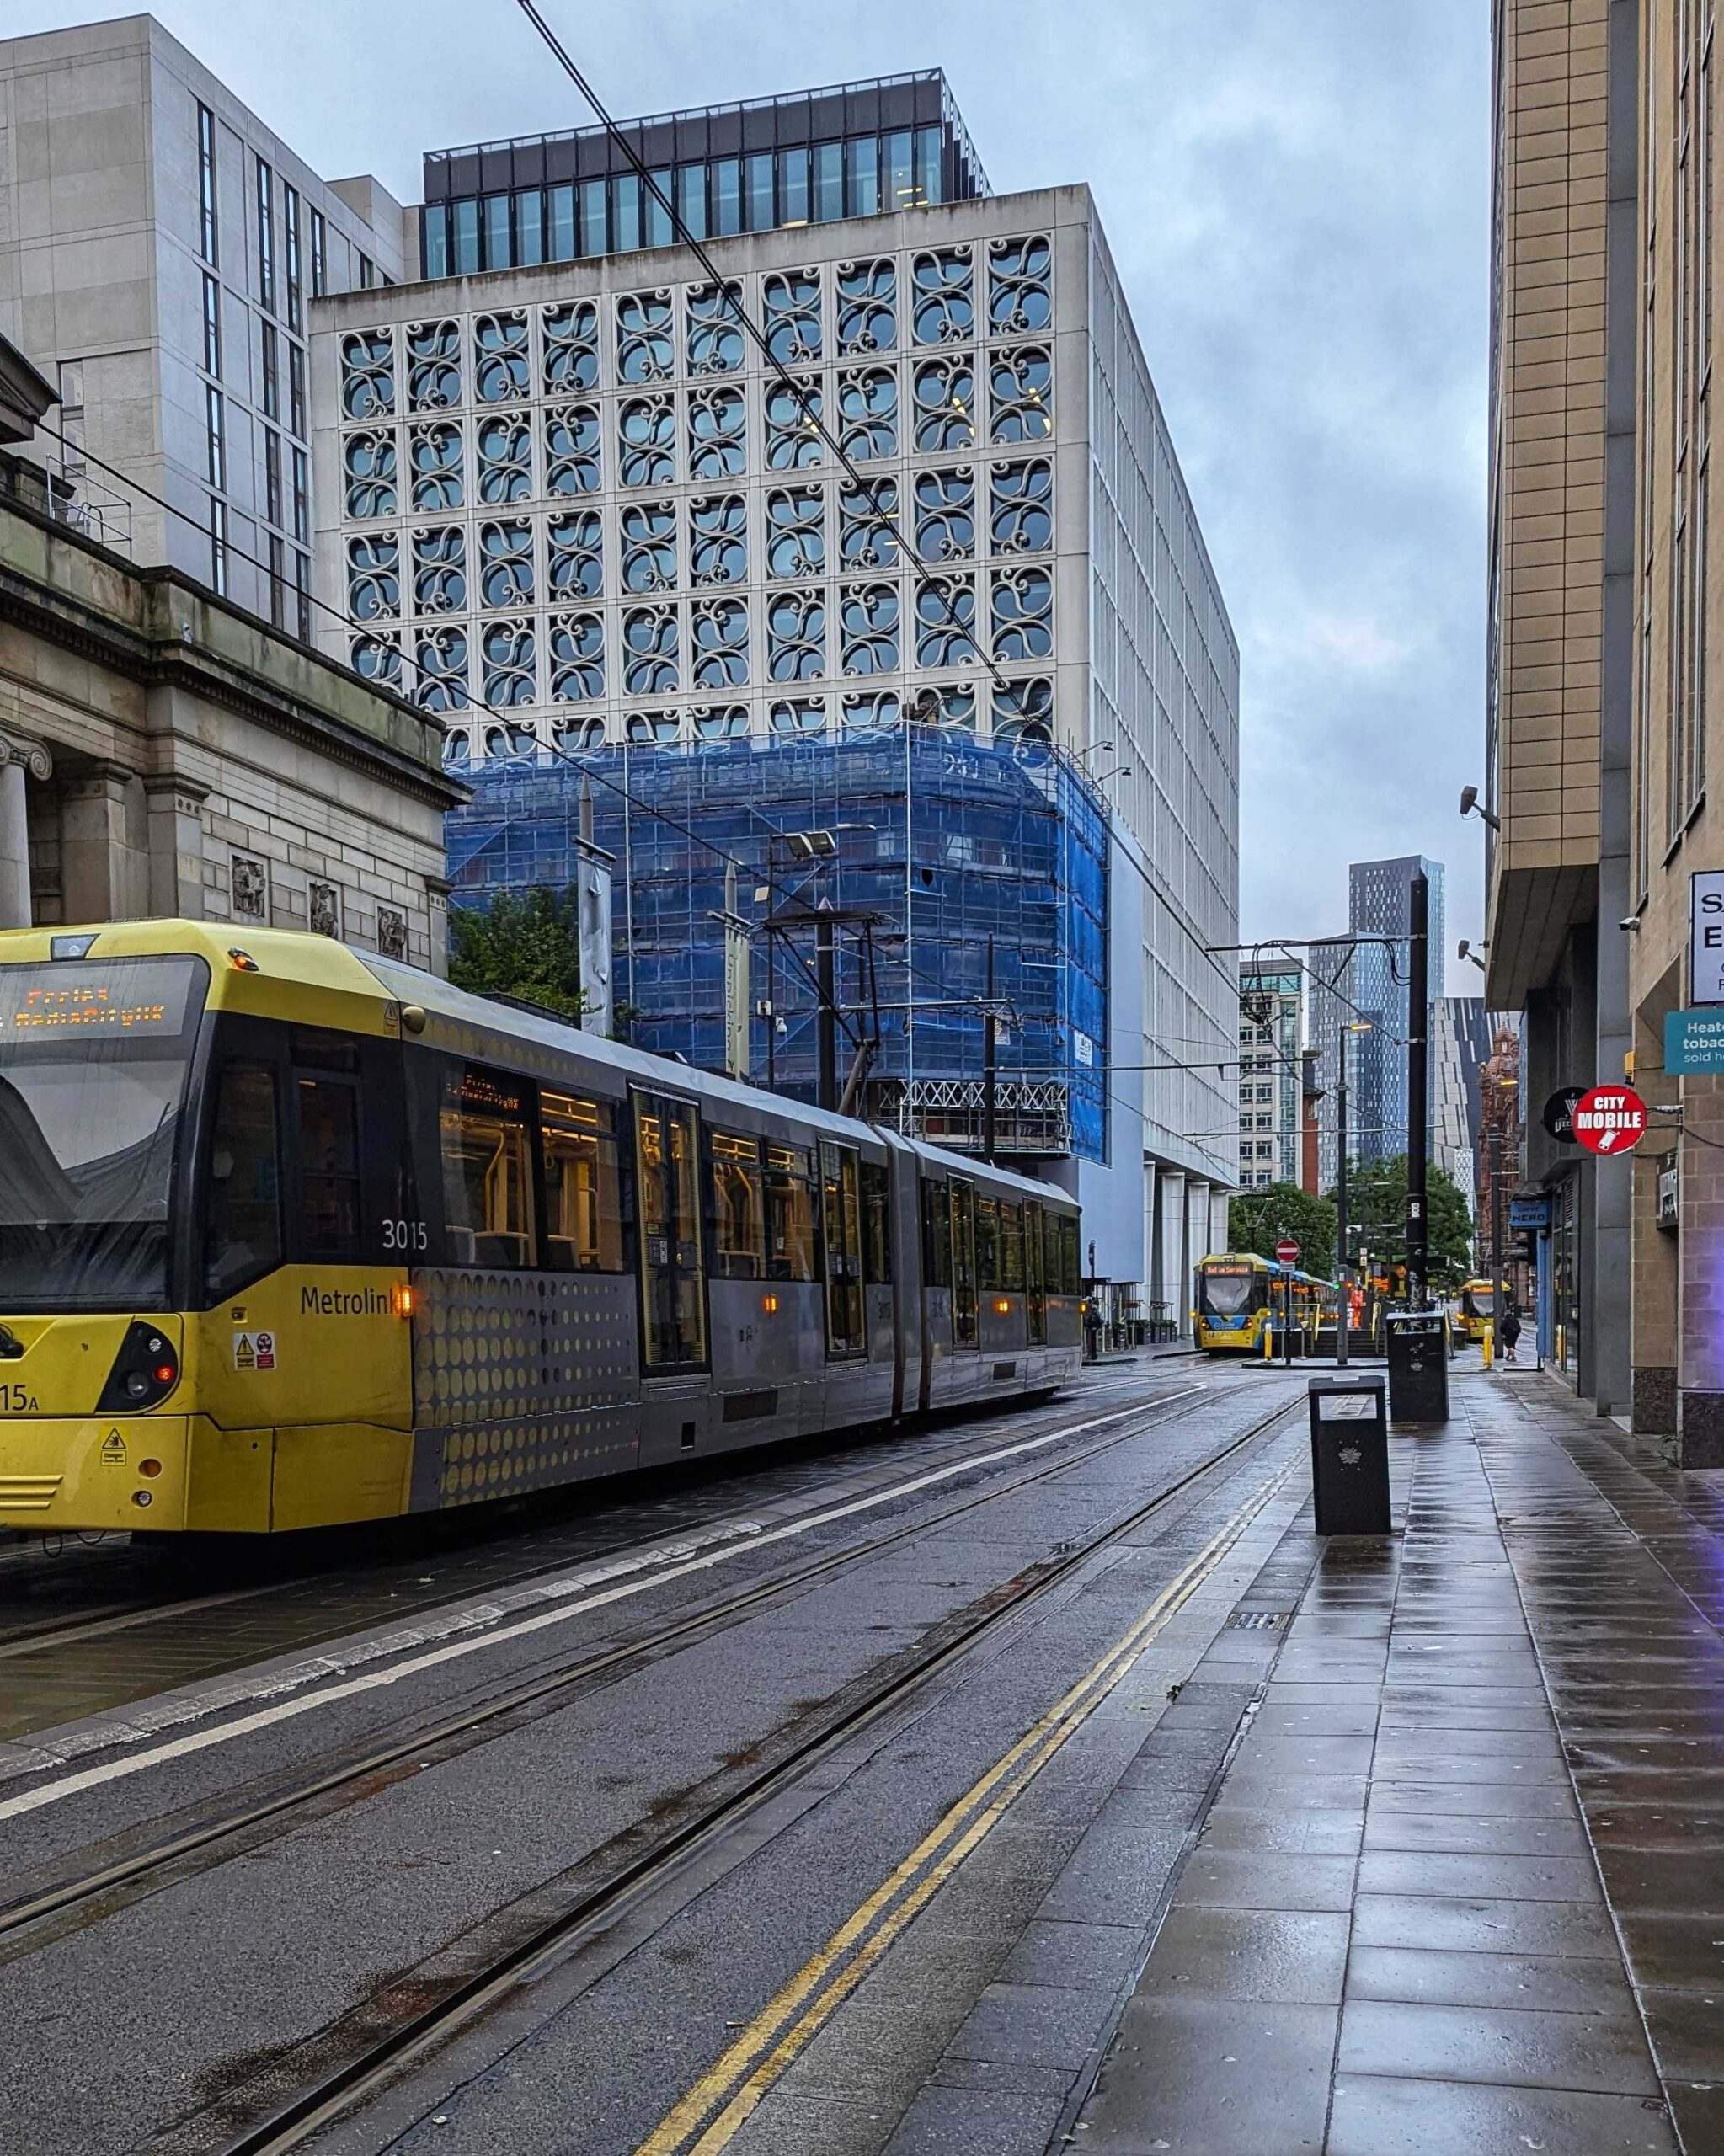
pixel 769 1303
pixel 1002 1307
pixel 402 1299
pixel 152 1468
pixel 243 962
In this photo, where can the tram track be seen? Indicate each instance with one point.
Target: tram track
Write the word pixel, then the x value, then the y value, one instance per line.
pixel 552 1689
pixel 72 1628
pixel 388 2042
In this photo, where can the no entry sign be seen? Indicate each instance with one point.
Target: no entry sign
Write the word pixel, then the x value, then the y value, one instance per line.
pixel 1286 1251
pixel 1610 1119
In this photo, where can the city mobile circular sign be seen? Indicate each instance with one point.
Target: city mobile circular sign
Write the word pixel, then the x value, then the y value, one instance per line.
pixel 1286 1251
pixel 1610 1119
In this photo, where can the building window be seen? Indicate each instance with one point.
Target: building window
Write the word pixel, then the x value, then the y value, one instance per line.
pixel 497 232
pixel 727 197
pixel 216 433
pixel 434 227
pixel 278 581
pixel 302 597
pixel 595 225
pixel 206 183
pixel 530 226
pixel 367 273
pixel 691 201
pixel 829 181
pixel 659 208
pixel 467 238
pixel 301 498
pixel 626 212
pixel 272 476
pixel 271 371
pixel 289 228
pixel 864 157
pixel 757 191
pixel 296 390
pixel 266 236
pixel 793 186
pixel 320 255
pixel 212 327
pixel 218 545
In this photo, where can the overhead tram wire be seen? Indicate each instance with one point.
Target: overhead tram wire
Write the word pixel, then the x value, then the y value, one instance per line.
pixel 731 297
pixel 763 877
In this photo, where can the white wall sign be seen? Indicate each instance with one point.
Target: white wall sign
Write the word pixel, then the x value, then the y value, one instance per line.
pixel 1706 947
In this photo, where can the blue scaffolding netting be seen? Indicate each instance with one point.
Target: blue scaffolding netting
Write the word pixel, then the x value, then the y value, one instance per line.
pixel 1007 855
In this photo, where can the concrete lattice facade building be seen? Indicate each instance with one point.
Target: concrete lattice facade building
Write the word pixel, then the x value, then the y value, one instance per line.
pixel 570 501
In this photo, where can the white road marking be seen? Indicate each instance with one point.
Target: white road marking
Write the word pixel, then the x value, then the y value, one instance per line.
pixel 180 1747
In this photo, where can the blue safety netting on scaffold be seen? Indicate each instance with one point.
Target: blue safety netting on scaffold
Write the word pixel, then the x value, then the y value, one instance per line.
pixel 1008 842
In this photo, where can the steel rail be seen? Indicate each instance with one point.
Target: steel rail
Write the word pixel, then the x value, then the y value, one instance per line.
pixel 331 2093
pixel 686 1630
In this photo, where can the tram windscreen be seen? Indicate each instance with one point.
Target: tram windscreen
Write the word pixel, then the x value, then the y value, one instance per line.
pixel 1482 1300
pixel 1227 1289
pixel 93 1063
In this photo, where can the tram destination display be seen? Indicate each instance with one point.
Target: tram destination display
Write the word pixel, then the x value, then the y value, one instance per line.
pixel 137 999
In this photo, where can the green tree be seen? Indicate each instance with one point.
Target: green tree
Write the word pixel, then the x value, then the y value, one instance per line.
pixel 525 943
pixel 1376 1210
pixel 1257 1220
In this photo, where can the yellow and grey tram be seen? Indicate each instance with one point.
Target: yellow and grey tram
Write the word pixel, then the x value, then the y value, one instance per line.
pixel 1240 1298
pixel 290 1236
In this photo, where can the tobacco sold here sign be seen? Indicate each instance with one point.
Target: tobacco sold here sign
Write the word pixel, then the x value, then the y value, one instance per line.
pixel 1610 1119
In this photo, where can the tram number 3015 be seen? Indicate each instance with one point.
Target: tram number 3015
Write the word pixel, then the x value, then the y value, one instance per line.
pixel 405 1235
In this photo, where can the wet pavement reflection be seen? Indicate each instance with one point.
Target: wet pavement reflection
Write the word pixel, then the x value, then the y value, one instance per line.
pixel 1462 1887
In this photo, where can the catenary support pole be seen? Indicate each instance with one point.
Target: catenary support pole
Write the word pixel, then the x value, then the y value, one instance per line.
pixel 1418 1058
pixel 1343 1312
pixel 991 1080
pixel 826 1033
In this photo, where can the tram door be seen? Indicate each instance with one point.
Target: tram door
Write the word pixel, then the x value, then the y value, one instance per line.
pixel 964 1265
pixel 841 1230
pixel 1035 1278
pixel 667 1183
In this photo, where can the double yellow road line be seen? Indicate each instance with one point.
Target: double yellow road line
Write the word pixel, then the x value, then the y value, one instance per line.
pixel 708 2118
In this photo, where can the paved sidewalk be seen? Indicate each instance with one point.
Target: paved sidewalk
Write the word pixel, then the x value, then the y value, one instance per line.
pixel 1393 1937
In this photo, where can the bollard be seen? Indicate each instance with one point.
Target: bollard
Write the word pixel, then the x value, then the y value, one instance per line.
pixel 1268 1342
pixel 1485 1340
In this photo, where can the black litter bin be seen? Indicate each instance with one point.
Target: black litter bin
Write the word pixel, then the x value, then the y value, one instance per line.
pixel 1350 1456
pixel 1416 1344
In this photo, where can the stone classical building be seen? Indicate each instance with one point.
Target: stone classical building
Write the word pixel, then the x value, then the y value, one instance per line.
pixel 567 500
pixel 164 752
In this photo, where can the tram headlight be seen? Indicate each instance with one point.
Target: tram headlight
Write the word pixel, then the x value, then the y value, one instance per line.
pixel 145 1371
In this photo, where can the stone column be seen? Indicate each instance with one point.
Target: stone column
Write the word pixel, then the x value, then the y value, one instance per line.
pixel 1699 1339
pixel 16 759
pixel 1172 1287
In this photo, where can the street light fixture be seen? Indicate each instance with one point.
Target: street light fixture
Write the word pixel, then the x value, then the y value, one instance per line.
pixel 1470 805
pixel 1464 950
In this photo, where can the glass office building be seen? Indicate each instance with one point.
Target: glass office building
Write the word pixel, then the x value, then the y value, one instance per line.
pixel 812 157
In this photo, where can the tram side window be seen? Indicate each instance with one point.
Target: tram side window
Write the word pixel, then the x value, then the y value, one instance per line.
pixel 484 1136
pixel 583 1197
pixel 739 1207
pixel 1011 1247
pixel 790 1214
pixel 937 1235
pixel 987 1244
pixel 329 1168
pixel 841 1216
pixel 243 1238
pixel 1071 1277
pixel 876 1225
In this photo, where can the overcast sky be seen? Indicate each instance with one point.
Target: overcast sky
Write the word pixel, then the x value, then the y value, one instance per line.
pixel 1297 195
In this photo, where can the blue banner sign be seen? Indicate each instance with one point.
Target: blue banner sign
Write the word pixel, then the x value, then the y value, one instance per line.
pixel 1693 1040
pixel 1529 1212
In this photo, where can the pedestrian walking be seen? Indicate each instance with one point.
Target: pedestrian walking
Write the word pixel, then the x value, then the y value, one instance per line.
pixel 1511 1333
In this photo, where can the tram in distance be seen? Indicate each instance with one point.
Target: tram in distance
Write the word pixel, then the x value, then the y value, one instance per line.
pixel 1475 1310
pixel 1240 1296
pixel 291 1236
